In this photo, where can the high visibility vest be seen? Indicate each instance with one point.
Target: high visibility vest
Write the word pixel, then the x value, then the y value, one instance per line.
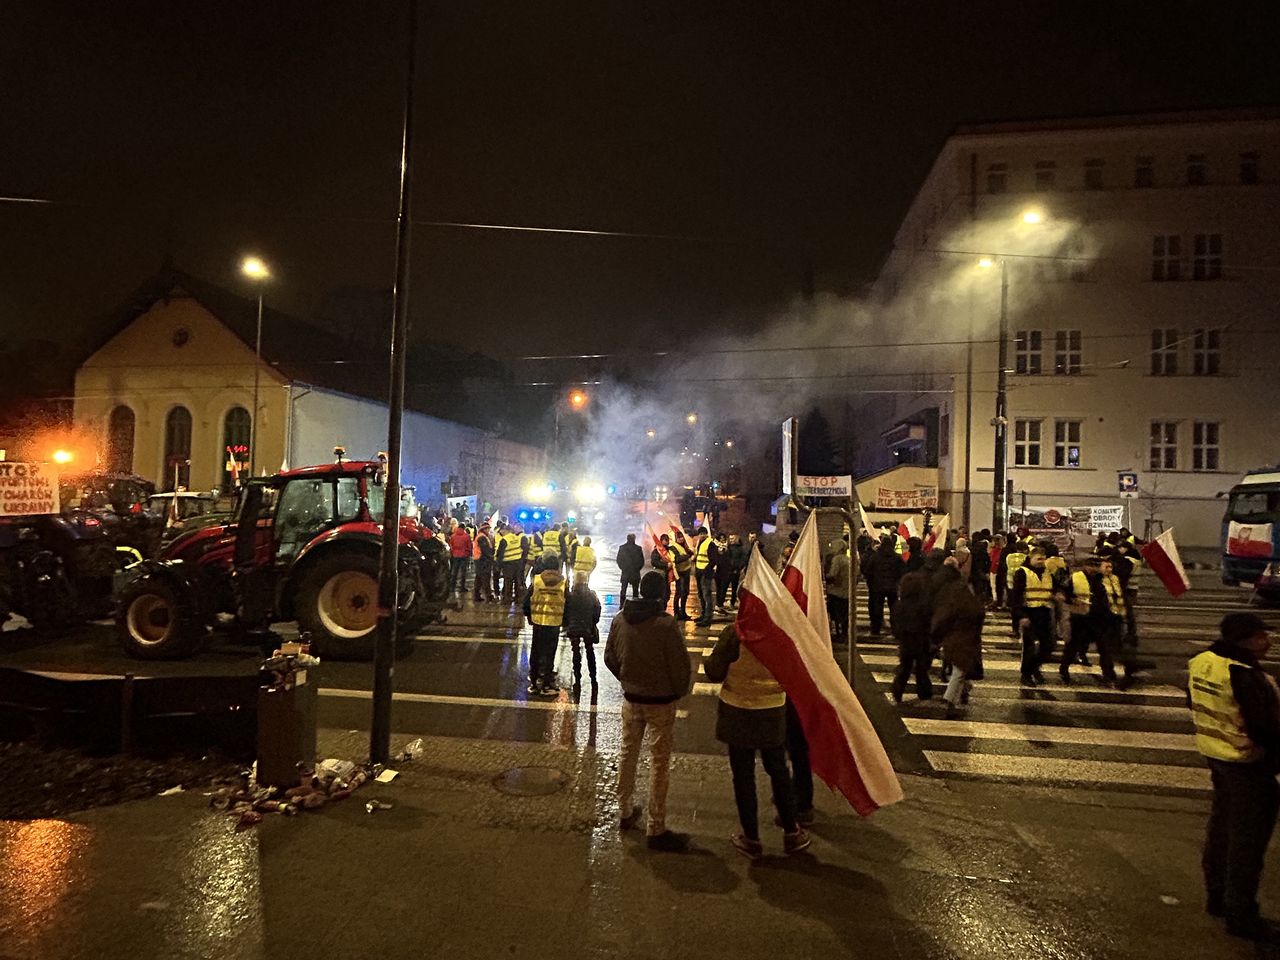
pixel 1039 592
pixel 1115 594
pixel 584 561
pixel 1012 562
pixel 680 557
pixel 509 545
pixel 899 544
pixel 1220 730
pixel 703 559
pixel 1054 564
pixel 551 542
pixel 750 685
pixel 546 603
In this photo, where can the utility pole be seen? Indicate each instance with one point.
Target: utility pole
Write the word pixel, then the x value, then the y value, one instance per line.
pixel 384 650
pixel 999 513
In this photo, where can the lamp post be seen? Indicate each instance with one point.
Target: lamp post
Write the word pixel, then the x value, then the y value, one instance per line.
pixel 255 268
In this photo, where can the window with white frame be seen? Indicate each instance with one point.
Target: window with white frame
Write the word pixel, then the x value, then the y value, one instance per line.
pixel 1026 443
pixel 1197 171
pixel 997 178
pixel 1093 173
pixel 1206 353
pixel 1046 174
pixel 1066 352
pixel 1164 445
pixel 1144 172
pixel 1206 261
pixel 1164 352
pixel 1166 257
pixel 1028 347
pixel 1205 452
pixel 1066 443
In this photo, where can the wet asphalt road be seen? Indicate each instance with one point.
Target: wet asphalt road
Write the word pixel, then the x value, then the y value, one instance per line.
pixel 467 678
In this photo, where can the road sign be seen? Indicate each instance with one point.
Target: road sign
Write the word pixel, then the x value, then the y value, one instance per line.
pixel 1128 483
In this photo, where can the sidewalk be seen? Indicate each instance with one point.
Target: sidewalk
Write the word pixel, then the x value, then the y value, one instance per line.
pixel 459 869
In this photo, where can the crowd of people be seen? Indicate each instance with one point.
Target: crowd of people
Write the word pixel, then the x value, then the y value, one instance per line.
pixel 938 601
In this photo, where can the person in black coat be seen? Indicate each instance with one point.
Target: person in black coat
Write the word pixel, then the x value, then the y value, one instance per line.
pixel 581 626
pixel 630 562
pixel 883 569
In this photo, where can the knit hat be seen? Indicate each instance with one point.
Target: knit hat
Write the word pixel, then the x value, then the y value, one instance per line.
pixel 653 586
pixel 1239 627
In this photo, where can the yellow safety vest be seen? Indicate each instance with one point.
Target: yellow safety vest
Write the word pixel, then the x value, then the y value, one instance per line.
pixel 1012 562
pixel 1054 564
pixel 1082 592
pixel 750 685
pixel 680 557
pixel 584 561
pixel 509 544
pixel 703 559
pixel 1039 592
pixel 1115 594
pixel 546 603
pixel 551 542
pixel 1220 729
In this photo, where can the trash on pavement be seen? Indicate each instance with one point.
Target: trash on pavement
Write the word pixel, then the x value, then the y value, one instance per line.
pixel 332 779
pixel 414 749
pixel 386 776
pixel 170 792
pixel 373 805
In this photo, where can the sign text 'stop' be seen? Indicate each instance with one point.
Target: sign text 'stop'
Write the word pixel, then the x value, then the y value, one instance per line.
pixel 28 489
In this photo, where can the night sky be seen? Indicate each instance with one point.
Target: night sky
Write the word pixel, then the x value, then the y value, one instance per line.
pixel 762 141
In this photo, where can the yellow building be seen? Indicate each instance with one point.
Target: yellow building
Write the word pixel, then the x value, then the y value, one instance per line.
pixel 172 388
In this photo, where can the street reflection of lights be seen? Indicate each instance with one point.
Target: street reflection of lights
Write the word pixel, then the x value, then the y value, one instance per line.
pixel 44 861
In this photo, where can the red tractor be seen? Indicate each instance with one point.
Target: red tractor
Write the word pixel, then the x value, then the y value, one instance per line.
pixel 302 545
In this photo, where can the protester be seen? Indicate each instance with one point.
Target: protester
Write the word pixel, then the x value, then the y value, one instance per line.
pixel 630 561
pixel 581 626
pixel 584 558
pixel 915 554
pixel 736 561
pixel 544 606
pixel 459 558
pixel 682 561
pixel 912 616
pixel 980 569
pixel 838 583
pixel 999 570
pixel 1092 620
pixel 751 718
pixel 484 565
pixel 706 556
pixel 956 627
pixel 1236 708
pixel 1031 601
pixel 882 571
pixel 646 652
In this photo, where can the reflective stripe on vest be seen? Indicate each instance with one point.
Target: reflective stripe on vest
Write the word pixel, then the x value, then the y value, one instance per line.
pixel 509 544
pixel 551 542
pixel 1115 593
pixel 703 559
pixel 680 557
pixel 1220 729
pixel 1013 562
pixel 750 685
pixel 584 561
pixel 1039 592
pixel 546 603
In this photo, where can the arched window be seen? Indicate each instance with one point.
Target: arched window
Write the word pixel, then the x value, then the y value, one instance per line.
pixel 235 443
pixel 120 440
pixel 177 448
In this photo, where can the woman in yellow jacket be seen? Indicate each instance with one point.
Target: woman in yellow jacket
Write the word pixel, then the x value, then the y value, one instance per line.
pixel 751 716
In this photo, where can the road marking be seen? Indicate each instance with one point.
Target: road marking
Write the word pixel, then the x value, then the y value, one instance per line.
pixel 707 689
pixel 562 704
pixel 1052 770
pixel 1083 685
pixel 1127 710
pixel 1033 733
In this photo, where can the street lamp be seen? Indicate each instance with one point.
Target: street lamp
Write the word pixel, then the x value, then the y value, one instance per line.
pixel 691 419
pixel 577 399
pixel 651 433
pixel 255 268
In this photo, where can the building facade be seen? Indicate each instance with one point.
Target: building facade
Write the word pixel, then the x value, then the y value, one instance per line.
pixel 170 396
pixel 1138 261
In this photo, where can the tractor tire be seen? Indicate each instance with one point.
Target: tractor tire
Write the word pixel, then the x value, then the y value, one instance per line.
pixel 155 621
pixel 337 606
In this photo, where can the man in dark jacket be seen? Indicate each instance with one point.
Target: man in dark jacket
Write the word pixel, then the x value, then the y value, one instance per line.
pixel 883 570
pixel 630 563
pixel 1236 708
pixel 732 563
pixel 581 619
pixel 912 618
pixel 646 652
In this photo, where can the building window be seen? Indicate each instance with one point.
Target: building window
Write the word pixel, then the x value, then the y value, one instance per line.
pixel 1164 445
pixel 1206 353
pixel 120 426
pixel 1166 257
pixel 1144 172
pixel 1207 262
pixel 1026 443
pixel 1093 174
pixel 1164 352
pixel 1249 168
pixel 997 178
pixel 177 448
pixel 235 444
pixel 1066 443
pixel 1204 445
pixel 944 435
pixel 1196 175
pixel 1066 352
pixel 1046 174
pixel 1027 347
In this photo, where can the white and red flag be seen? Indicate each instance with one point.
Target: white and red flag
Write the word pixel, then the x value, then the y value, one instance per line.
pixel 938 533
pixel 1249 539
pixel 802 576
pixel 843 747
pixel 658 545
pixel 1162 557
pixel 867 527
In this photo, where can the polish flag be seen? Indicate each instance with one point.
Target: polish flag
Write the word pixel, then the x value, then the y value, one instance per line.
pixel 843 747
pixel 867 528
pixel 938 535
pixel 662 551
pixel 802 576
pixel 493 521
pixel 1162 557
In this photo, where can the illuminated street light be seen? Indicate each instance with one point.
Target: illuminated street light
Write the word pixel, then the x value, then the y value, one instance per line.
pixel 255 268
pixel 729 444
pixel 63 456
pixel 986 263
pixel 578 399
pixel 590 492
pixel 651 433
pixel 691 419
pixel 1032 216
pixel 540 490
